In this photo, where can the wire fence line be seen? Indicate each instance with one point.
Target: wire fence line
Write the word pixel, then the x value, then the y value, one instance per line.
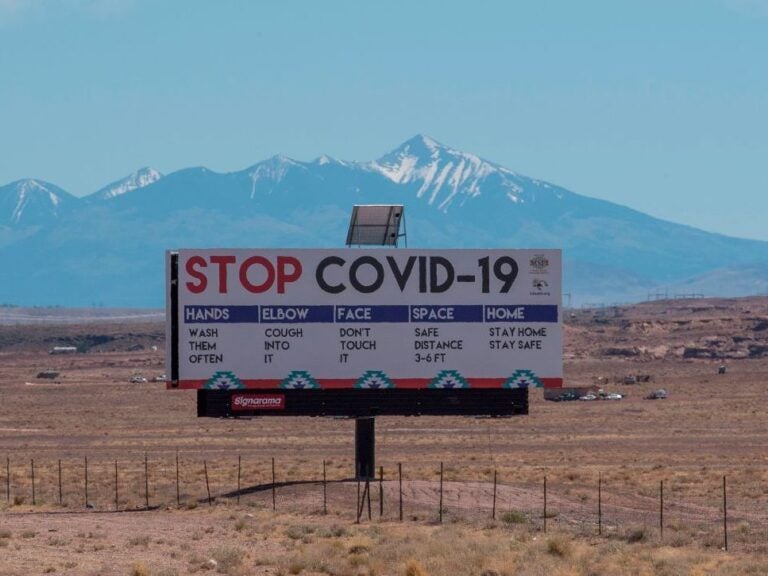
pixel 716 514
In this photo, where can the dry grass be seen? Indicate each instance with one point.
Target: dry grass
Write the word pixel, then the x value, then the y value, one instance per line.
pixel 712 425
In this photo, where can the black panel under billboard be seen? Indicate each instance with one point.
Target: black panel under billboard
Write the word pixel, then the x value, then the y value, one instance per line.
pixel 361 403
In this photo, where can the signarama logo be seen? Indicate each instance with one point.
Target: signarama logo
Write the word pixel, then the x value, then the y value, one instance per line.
pixel 258 402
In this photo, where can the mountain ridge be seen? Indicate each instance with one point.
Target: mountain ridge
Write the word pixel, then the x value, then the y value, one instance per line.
pixel 453 199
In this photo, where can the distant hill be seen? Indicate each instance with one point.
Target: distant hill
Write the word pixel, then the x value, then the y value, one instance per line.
pixel 107 248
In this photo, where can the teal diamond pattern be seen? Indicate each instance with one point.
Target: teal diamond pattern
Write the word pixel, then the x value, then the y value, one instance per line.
pixel 523 379
pixel 449 379
pixel 223 381
pixel 300 380
pixel 375 380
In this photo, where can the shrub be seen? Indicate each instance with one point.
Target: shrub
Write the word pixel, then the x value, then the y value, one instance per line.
pixel 636 535
pixel 513 517
pixel 139 569
pixel 413 568
pixel 228 558
pixel 139 541
pixel 559 547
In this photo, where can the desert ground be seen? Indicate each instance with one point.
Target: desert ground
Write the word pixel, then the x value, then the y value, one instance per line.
pixel 616 471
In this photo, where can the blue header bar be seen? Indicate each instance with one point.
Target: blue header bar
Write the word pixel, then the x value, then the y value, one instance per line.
pixel 371 314
pixel 296 314
pixel 460 313
pixel 220 314
pixel 525 313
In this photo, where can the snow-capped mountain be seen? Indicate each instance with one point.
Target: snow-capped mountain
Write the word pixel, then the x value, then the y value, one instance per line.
pixel 445 176
pixel 108 248
pixel 139 179
pixel 32 203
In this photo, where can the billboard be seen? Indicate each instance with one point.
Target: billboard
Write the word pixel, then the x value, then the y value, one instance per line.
pixel 356 319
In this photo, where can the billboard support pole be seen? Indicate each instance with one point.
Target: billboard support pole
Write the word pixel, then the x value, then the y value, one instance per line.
pixel 365 448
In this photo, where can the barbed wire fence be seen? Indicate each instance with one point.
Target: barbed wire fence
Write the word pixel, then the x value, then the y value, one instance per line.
pixel 677 512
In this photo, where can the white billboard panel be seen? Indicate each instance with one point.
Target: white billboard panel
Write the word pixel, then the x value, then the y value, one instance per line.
pixel 355 318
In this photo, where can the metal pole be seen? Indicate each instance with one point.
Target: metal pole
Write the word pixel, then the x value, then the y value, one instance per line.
pixel 661 508
pixel 146 480
pixel 8 479
pixel 365 448
pixel 207 484
pixel 117 507
pixel 358 506
pixel 34 500
pixel 545 503
pixel 86 481
pixel 178 494
pixel 274 496
pixel 381 491
pixel 600 502
pixel 725 515
pixel 238 477
pixel 400 482
pixel 493 512
pixel 61 498
pixel 368 492
pixel 325 490
pixel 441 493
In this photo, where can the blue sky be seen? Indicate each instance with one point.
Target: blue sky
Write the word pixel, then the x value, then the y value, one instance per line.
pixel 658 105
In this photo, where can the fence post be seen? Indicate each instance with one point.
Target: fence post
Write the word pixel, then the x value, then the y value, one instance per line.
pixel 178 494
pixel 86 481
pixel 207 484
pixel 358 505
pixel 441 492
pixel 274 496
pixel 493 507
pixel 117 506
pixel 368 492
pixel 725 516
pixel 661 508
pixel 400 487
pixel 600 503
pixel 34 500
pixel 146 480
pixel 545 503
pixel 381 491
pixel 325 490
pixel 8 479
pixel 61 497
pixel 238 477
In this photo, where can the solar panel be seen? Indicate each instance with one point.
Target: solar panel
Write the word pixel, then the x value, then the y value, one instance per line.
pixel 376 225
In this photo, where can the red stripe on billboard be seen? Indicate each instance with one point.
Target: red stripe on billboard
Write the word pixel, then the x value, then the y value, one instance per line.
pixel 342 384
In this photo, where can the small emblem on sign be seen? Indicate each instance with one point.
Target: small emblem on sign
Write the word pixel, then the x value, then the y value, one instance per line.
pixel 223 381
pixel 523 379
pixel 449 379
pixel 374 379
pixel 300 380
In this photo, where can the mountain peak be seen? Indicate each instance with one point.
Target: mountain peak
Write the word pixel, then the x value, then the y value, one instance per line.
pixel 324 159
pixel 141 178
pixel 421 145
pixel 31 201
pixel 444 174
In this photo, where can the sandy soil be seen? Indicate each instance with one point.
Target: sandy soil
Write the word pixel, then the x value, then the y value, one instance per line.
pixel 712 425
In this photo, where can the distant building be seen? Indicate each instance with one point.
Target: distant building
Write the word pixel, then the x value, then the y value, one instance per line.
pixel 63 350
